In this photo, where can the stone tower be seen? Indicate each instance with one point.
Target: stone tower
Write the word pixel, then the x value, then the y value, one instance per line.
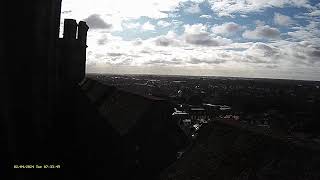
pixel 72 52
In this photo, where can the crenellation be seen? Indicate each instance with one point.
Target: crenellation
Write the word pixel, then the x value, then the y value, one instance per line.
pixel 82 32
pixel 74 31
pixel 72 52
pixel 70 29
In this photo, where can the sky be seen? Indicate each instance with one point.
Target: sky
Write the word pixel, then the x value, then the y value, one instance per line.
pixel 239 38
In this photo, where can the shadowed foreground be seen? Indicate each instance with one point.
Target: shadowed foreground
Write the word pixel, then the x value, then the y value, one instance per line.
pixel 228 151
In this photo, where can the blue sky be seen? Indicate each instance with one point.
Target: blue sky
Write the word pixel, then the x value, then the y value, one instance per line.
pixel 248 38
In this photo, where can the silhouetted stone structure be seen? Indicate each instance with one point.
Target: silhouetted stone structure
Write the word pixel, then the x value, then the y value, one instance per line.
pixel 71 51
pixel 29 76
pixel 46 118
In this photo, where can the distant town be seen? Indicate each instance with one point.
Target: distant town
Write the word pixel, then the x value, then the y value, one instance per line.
pixel 284 107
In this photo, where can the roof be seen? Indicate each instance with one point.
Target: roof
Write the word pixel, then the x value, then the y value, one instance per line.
pixel 122 109
pixel 180 113
pixel 225 151
pixel 197 109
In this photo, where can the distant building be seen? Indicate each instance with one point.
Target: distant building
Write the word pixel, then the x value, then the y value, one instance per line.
pixel 182 119
pixel 212 110
pixel 197 113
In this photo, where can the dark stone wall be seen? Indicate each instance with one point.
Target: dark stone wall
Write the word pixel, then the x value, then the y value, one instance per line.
pixel 44 120
pixel 72 61
pixel 29 73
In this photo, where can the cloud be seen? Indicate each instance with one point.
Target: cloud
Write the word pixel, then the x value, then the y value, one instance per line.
pixel 263 50
pixel 228 28
pixel 282 20
pixel 231 7
pixel 262 32
pixel 137 42
pixel 162 52
pixel 309 50
pixel 162 23
pixel 315 53
pixel 195 28
pixel 131 25
pixel 197 35
pixel 164 62
pixel 122 8
pixel 148 26
pixel 196 47
pixel 164 41
pixel 170 39
pixel 259 23
pixel 212 60
pixel 206 16
pixel 309 32
pixel 315 13
pixel 193 9
pixel 94 21
pixel 102 41
pixel 115 54
pixel 101 38
pixel 303 53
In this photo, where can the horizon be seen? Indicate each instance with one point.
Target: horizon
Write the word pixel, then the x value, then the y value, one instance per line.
pixel 177 75
pixel 255 39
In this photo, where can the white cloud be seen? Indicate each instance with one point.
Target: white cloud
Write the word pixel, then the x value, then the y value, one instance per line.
pixel 315 13
pixel 206 16
pixel 164 41
pixel 137 42
pixel 148 26
pixel 230 7
pixel 131 25
pixel 303 53
pixel 282 20
pixel 263 50
pixel 262 32
pixel 228 28
pixel 123 8
pixel 193 9
pixel 197 34
pixel 195 28
pixel 171 39
pixel 308 33
pixel 116 12
pixel 207 60
pixel 163 23
pixel 259 23
pixel 103 40
pixel 171 54
pixel 199 50
pixel 301 3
